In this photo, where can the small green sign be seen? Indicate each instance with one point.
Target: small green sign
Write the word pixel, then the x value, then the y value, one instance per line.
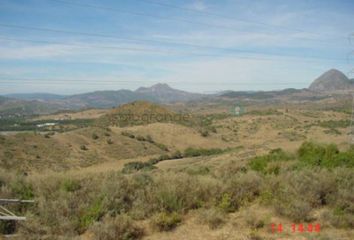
pixel 237 110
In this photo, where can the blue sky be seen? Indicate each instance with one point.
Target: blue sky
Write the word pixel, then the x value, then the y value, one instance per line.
pixel 75 46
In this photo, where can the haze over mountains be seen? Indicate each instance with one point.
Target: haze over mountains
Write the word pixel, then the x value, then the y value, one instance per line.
pixel 41 103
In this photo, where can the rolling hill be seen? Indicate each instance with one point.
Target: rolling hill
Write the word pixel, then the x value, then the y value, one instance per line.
pixel 137 113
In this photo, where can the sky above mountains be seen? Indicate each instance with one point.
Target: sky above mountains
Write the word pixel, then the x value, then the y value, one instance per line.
pixel 75 46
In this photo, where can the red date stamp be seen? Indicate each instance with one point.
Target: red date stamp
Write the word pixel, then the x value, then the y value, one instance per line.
pixel 296 228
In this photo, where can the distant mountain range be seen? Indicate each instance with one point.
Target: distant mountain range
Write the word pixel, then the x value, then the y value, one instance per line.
pixel 329 82
pixel 39 103
pixel 159 92
pixel 36 96
pixel 261 94
pixel 44 103
pixel 106 99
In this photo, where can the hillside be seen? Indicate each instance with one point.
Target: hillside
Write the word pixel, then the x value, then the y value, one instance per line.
pixel 105 99
pixel 331 80
pixel 10 107
pixel 70 150
pixel 137 113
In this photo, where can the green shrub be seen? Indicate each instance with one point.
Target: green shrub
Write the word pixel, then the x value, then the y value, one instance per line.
pixel 149 139
pixel 332 131
pixel 140 138
pixel 70 185
pixel 119 192
pixel 7 227
pixel 225 203
pixel 128 134
pixel 254 235
pixel 198 170
pixel 95 136
pixel 213 217
pixel 162 146
pixel 204 133
pixel 137 166
pixel 311 154
pixel 343 159
pixel 83 148
pixel 119 227
pixel 314 154
pixel 163 157
pixel 242 188
pixel 295 208
pixel 342 213
pixel 22 189
pixel 154 161
pixel 93 213
pixel 260 164
pixel 298 192
pixel 176 155
pixel 181 192
pixel 196 152
pixel 332 124
pixel 166 221
pixel 254 220
pixel 169 200
pixel 339 218
pixel 192 152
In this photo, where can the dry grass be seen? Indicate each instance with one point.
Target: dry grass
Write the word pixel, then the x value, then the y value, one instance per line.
pixel 176 137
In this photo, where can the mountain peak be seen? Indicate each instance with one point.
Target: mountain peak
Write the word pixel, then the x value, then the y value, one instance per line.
pixel 161 85
pixel 155 87
pixel 331 80
pixel 167 94
pixel 334 70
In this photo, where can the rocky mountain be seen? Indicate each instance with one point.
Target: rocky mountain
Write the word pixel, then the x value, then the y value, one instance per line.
pixel 331 80
pixel 164 93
